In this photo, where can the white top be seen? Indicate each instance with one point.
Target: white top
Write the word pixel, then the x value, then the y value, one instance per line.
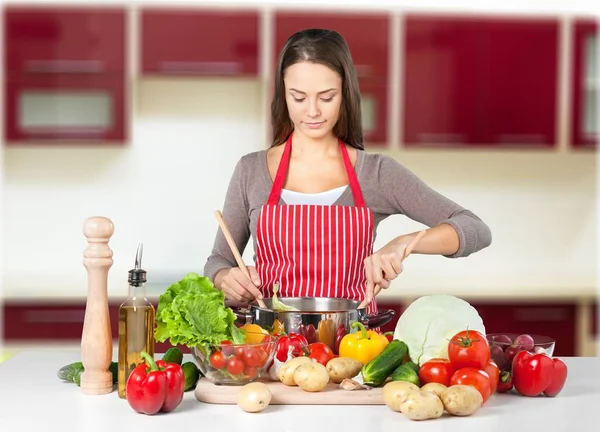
pixel 33 398
pixel 321 198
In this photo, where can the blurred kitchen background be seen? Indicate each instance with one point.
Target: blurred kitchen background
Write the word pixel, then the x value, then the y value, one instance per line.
pixel 139 112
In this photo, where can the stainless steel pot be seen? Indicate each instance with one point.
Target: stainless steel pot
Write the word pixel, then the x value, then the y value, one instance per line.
pixel 319 319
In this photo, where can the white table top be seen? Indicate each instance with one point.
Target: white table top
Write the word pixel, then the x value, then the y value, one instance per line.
pixel 32 396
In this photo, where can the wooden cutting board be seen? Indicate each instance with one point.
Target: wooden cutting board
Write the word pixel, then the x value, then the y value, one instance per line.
pixel 208 392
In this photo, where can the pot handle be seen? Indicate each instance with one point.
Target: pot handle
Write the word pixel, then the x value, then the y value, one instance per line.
pixel 241 312
pixel 380 319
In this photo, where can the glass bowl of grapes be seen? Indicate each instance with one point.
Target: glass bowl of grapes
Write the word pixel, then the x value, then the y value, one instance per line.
pixel 504 347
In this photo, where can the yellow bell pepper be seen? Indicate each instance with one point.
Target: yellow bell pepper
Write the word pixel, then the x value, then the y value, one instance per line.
pixel 363 345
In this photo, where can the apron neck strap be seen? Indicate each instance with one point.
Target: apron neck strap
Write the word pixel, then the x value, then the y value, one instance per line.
pixel 285 163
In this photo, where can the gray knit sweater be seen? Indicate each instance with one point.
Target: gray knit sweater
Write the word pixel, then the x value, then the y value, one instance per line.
pixel 388 188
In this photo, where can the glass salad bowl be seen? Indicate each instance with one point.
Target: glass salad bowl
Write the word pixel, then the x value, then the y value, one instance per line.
pixel 236 364
pixel 504 346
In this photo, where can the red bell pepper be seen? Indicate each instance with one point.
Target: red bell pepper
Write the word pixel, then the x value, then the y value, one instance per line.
pixel 297 341
pixel 536 374
pixel 155 386
pixel 505 383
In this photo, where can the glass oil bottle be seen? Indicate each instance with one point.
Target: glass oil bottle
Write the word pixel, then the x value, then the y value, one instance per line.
pixel 136 325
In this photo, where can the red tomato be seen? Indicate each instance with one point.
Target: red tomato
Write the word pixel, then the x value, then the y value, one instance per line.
pixel 217 360
pixel 226 347
pixel 240 352
pixel 468 348
pixel 320 352
pixel 235 366
pixel 436 370
pixel 494 373
pixel 474 377
pixel 250 371
pixel 255 357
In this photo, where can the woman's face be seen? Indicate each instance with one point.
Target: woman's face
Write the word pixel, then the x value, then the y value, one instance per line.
pixel 313 93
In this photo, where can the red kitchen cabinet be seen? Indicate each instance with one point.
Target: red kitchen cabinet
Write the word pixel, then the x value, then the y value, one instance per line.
pixel 60 322
pixel 54 40
pixel 556 320
pixel 370 55
pixel 199 42
pixel 65 75
pixel 585 84
pixel 483 82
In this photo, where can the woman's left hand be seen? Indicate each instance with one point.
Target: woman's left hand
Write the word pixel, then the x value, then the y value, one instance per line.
pixel 383 267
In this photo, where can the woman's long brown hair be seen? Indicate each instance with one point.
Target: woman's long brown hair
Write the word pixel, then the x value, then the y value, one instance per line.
pixel 326 47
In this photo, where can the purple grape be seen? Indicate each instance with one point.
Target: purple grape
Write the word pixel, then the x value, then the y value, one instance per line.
pixel 500 358
pixel 502 340
pixel 525 342
pixel 512 351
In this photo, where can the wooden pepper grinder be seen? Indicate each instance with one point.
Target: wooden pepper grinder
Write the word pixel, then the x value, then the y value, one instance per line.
pixel 96 340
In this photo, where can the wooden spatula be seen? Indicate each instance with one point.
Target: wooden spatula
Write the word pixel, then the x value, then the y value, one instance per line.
pixel 407 252
pixel 236 252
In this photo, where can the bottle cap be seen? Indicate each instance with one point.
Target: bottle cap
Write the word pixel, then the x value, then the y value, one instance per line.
pixel 137 276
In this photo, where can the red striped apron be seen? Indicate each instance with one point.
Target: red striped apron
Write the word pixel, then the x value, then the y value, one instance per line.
pixel 314 250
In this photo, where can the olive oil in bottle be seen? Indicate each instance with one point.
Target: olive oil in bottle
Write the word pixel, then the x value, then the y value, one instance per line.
pixel 136 325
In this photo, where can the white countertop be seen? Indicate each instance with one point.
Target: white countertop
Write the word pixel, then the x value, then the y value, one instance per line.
pixel 32 396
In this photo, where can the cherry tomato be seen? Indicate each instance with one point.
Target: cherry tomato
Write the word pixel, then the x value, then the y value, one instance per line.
pixel 320 352
pixel 227 348
pixel 250 371
pixel 217 360
pixel 255 357
pixel 436 370
pixel 474 377
pixel 468 348
pixel 494 373
pixel 235 366
pixel 240 352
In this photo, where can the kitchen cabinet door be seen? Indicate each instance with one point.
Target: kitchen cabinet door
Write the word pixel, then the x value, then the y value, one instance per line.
pixel 441 93
pixel 482 82
pixel 585 84
pixel 556 320
pixel 370 55
pixel 199 42
pixel 64 39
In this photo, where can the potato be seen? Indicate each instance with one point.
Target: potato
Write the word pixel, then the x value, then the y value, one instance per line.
pixel 311 377
pixel 436 388
pixel 340 368
pixel 421 405
pixel 461 400
pixel 393 393
pixel 254 397
pixel 286 373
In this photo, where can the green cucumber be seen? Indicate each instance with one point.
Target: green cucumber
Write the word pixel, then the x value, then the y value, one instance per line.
pixel 412 365
pixel 72 372
pixel 192 375
pixel 173 355
pixel 68 372
pixel 406 373
pixel 375 372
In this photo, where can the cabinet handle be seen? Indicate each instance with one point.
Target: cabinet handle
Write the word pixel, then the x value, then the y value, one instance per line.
pixel 64 66
pixel 206 68
pixel 55 316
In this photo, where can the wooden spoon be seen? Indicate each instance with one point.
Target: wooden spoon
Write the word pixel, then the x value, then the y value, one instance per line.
pixel 407 252
pixel 236 252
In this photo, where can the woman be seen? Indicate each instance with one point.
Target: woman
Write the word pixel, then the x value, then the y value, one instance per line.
pixel 313 200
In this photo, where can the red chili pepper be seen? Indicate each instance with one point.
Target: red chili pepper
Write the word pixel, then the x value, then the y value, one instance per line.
pixel 155 386
pixel 505 383
pixel 536 374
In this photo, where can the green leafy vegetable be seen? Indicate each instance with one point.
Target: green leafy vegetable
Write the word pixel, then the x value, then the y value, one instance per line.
pixel 192 312
pixel 277 304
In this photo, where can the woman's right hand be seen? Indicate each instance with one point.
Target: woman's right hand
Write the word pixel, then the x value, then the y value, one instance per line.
pixel 237 286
